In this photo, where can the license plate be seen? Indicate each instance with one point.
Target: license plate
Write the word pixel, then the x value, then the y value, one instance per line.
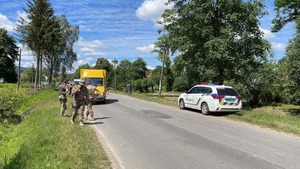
pixel 230 100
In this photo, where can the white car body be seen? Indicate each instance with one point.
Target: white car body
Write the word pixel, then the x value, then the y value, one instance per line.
pixel 211 98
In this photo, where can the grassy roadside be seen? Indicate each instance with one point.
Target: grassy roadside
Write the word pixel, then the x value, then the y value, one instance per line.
pixel 46 140
pixel 284 118
pixel 281 118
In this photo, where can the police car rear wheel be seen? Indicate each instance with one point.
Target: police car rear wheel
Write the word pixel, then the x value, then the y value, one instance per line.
pixel 181 104
pixel 204 109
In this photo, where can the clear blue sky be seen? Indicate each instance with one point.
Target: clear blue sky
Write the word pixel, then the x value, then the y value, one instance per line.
pixel 121 29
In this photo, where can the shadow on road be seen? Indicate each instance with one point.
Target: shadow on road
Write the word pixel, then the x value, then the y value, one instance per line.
pixel 100 118
pixel 92 123
pixel 107 101
pixel 110 101
pixel 214 114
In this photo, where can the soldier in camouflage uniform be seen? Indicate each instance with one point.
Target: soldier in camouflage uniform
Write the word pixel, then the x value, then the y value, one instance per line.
pixel 80 93
pixel 62 90
pixel 91 90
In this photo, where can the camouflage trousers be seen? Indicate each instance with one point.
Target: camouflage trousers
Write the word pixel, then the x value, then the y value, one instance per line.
pixel 89 111
pixel 63 107
pixel 78 109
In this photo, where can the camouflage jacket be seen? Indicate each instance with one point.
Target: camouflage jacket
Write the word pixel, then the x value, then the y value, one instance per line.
pixel 81 95
pixel 62 88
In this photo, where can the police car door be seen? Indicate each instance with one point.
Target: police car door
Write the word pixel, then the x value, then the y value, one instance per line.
pixel 193 97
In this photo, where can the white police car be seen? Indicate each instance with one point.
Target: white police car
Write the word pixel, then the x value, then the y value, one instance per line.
pixel 211 98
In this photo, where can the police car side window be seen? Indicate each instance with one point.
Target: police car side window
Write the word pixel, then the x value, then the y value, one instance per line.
pixel 194 90
pixel 206 90
pixel 202 89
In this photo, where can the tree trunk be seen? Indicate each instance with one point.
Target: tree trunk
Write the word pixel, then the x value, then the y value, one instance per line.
pixel 50 76
pixel 40 72
pixel 36 80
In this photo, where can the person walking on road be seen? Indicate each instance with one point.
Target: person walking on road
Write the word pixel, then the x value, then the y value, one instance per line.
pixel 90 100
pixel 62 90
pixel 80 93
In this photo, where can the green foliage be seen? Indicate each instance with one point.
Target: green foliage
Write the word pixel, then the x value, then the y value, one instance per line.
pixel 8 56
pixel 145 85
pixel 28 74
pixel 216 38
pixel 46 140
pixel 10 101
pixel 293 64
pixel 138 69
pixel 181 84
pixel 68 38
pixel 137 85
pixel 103 63
pixel 40 33
pixel 123 72
pixel 286 11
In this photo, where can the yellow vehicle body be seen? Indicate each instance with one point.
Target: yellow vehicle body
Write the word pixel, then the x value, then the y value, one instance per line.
pixel 97 77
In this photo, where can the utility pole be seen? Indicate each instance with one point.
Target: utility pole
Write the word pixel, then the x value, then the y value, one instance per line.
pixel 115 61
pixel 162 74
pixel 19 70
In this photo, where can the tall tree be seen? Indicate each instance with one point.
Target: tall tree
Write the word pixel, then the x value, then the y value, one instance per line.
pixel 293 60
pixel 286 11
pixel 69 37
pixel 123 71
pixel 215 36
pixel 37 33
pixel 60 54
pixel 138 69
pixel 103 63
pixel 51 56
pixel 162 47
pixel 8 56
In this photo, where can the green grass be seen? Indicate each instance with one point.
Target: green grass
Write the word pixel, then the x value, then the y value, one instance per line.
pixel 34 99
pixel 279 118
pixel 46 140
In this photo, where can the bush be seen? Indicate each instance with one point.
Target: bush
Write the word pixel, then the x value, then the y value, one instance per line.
pixel 137 85
pixel 10 100
pixel 145 85
pixel 181 84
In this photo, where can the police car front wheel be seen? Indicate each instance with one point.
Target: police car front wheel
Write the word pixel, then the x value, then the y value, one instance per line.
pixel 181 104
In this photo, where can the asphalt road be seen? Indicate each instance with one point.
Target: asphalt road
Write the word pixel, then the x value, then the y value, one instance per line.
pixel 145 135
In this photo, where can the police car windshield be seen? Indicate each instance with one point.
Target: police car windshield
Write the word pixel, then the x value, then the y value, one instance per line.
pixel 227 92
pixel 95 81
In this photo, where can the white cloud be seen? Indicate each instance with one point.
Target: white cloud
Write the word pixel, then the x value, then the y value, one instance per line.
pixel 147 48
pixel 94 53
pixel 90 44
pixel 23 14
pixel 278 46
pixel 27 64
pixel 152 9
pixel 150 67
pixel 90 48
pixel 6 23
pixel 82 62
pixel 86 49
pixel 267 33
